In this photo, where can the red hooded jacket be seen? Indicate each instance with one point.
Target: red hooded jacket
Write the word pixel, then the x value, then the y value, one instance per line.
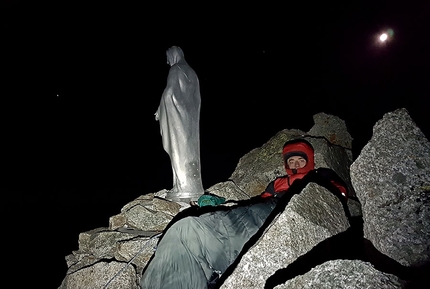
pixel 298 147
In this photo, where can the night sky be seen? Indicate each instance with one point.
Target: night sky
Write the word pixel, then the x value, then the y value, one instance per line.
pixel 81 83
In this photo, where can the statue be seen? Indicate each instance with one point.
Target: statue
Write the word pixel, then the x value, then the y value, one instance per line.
pixel 179 116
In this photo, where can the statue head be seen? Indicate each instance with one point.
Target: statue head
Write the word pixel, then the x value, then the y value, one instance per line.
pixel 174 55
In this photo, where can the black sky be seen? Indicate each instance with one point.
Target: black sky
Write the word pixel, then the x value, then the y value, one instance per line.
pixel 82 81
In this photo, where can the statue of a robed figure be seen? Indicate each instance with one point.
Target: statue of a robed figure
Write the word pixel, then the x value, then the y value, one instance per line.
pixel 179 117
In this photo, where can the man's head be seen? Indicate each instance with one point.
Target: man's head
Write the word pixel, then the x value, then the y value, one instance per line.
pixel 298 155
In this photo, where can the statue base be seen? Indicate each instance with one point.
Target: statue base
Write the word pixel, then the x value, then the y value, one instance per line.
pixel 183 197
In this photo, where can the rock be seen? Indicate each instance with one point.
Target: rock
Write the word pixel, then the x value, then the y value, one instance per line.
pixel 351 274
pixel 392 180
pixel 389 187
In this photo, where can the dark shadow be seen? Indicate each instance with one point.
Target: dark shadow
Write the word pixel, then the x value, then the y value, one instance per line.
pixel 350 245
pixel 336 247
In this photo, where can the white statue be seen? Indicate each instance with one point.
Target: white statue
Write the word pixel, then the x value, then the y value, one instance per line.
pixel 179 117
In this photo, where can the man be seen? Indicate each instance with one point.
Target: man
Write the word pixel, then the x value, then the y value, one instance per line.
pixel 298 156
pixel 196 250
pixel 179 116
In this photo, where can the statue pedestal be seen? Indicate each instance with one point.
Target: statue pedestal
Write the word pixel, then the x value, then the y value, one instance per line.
pixel 183 197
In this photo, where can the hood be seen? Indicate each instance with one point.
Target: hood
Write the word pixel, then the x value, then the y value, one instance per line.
pixel 302 148
pixel 174 55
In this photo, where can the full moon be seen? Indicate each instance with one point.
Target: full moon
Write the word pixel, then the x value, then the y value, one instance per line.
pixel 383 37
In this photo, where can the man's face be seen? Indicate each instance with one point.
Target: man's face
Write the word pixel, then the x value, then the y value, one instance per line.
pixel 296 162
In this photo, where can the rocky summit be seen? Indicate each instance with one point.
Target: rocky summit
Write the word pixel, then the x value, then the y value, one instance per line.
pixel 309 242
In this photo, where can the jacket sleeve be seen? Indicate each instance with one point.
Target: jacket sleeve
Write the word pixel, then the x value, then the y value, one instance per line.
pixel 269 192
pixel 337 181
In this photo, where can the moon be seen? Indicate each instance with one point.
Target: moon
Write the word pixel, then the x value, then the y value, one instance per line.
pixel 383 37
